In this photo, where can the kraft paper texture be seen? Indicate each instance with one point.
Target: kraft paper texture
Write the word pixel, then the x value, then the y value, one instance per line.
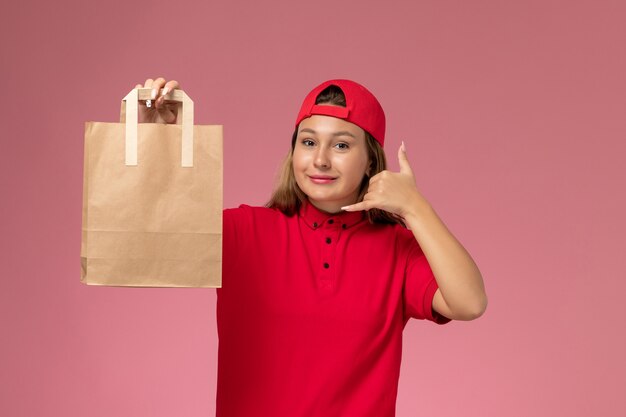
pixel 156 223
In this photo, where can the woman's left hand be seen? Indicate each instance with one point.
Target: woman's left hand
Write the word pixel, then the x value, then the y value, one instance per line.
pixel 394 192
pixel 461 293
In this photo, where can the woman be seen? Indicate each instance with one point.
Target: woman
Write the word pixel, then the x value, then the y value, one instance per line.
pixel 318 285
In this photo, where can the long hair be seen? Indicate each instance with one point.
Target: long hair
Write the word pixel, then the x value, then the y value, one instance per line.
pixel 288 197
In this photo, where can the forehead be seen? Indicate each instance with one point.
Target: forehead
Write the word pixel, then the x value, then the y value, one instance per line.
pixel 329 125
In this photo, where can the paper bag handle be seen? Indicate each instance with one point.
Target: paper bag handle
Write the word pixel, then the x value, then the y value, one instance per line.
pixel 131 120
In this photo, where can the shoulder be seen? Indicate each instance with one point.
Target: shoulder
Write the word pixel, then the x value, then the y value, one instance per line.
pixel 402 237
pixel 252 214
pixel 396 230
pixel 248 210
pixel 394 239
pixel 245 224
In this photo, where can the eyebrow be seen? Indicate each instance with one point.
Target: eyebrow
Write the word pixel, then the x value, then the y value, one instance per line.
pixel 341 133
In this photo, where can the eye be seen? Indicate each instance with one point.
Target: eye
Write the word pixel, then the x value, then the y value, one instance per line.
pixel 342 146
pixel 307 142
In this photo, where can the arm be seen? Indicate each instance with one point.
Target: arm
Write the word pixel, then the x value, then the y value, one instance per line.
pixel 461 294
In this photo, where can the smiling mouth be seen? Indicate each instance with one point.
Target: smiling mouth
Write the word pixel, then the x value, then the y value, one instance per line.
pixel 321 179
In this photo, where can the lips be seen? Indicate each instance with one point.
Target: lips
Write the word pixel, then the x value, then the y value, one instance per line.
pixel 322 179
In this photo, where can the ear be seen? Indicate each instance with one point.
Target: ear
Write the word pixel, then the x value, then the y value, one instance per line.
pixel 368 170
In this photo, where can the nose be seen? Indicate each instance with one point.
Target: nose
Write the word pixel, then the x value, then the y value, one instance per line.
pixel 322 161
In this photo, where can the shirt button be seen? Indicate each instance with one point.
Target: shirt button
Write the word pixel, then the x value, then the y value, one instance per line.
pixel 314 225
pixel 326 265
pixel 328 240
pixel 343 226
pixel 331 221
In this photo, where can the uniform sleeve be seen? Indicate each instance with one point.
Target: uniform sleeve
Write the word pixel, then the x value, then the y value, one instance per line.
pixel 419 286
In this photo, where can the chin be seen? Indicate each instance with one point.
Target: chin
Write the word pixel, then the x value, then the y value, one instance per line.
pixel 330 201
pixel 328 207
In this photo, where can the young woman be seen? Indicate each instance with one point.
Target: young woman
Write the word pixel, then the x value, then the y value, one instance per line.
pixel 318 285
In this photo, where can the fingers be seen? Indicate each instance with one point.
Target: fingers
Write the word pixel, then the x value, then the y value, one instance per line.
pixel 158 96
pixel 356 207
pixel 156 86
pixel 405 167
pixel 171 85
pixel 388 190
pixel 147 84
pixel 168 87
pixel 381 176
pixel 156 92
pixel 167 110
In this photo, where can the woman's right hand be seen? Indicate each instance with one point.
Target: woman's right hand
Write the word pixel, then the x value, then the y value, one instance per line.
pixel 160 110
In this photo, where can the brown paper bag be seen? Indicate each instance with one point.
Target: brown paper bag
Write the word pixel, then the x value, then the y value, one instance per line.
pixel 152 200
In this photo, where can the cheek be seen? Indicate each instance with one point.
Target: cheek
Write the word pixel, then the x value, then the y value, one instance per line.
pixel 355 166
pixel 299 161
pixel 299 167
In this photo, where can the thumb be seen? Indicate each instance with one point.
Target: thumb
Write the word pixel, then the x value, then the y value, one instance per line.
pixel 405 167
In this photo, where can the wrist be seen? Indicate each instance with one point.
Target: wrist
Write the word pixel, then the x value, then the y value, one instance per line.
pixel 416 212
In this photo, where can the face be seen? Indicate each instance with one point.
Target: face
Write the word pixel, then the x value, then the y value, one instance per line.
pixel 330 159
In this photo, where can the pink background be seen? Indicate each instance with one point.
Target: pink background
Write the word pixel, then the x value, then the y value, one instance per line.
pixel 513 113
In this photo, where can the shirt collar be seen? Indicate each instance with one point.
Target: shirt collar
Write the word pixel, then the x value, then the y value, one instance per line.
pixel 315 218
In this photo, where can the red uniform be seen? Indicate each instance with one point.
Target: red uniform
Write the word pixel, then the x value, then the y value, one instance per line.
pixel 311 312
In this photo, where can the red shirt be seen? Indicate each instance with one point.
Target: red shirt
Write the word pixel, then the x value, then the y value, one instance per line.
pixel 311 312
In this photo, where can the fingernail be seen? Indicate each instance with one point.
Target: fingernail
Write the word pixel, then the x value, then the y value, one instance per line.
pixel 165 90
pixel 403 148
pixel 153 93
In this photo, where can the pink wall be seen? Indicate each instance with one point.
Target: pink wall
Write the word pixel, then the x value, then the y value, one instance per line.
pixel 513 116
